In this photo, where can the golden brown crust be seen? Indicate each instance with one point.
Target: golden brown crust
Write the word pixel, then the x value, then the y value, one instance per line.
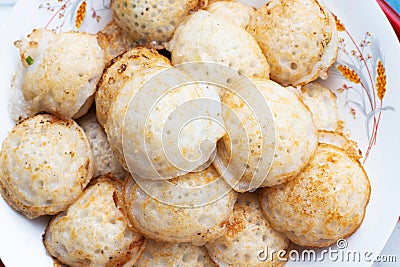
pixel 305 63
pixel 188 224
pixel 127 255
pixel 349 146
pixel 250 232
pixel 174 254
pixel 321 202
pixel 24 184
pixel 152 21
pixel 113 41
pixel 283 151
pixel 119 71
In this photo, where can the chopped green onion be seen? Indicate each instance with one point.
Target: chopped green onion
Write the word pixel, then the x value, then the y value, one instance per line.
pixel 29 60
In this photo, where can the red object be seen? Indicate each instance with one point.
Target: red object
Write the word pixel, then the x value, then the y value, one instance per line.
pixel 392 15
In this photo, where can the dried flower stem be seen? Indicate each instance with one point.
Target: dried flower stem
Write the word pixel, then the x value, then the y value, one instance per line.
pixel 56 13
pixel 366 66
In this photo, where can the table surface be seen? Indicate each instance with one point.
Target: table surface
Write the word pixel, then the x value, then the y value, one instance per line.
pixel 392 246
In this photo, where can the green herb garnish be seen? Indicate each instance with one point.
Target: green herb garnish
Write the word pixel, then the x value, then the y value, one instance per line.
pixel 29 60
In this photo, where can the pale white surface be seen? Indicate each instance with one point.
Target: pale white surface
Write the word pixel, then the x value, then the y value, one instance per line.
pixel 391 248
pixel 4 11
pixel 20 239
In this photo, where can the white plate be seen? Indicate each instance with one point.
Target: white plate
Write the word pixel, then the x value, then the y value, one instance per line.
pixel 20 238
